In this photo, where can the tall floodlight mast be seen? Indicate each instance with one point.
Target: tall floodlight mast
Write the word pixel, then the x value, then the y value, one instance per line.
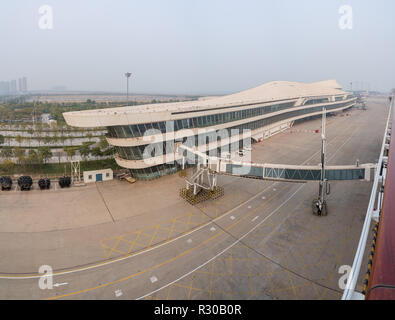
pixel 319 205
pixel 127 75
pixel 323 151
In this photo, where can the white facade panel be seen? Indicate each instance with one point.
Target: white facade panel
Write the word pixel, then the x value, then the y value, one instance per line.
pixel 98 175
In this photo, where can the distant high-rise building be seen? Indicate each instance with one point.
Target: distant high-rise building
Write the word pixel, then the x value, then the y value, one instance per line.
pixel 22 84
pixel 4 88
pixel 24 81
pixel 13 88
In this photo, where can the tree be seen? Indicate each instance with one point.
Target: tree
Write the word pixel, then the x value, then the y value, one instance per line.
pixel 19 139
pixel 63 139
pixel 89 136
pixel 55 137
pixel 53 126
pixel 97 152
pixel 20 155
pixel 45 153
pixel 58 154
pixel 70 152
pixel 1 139
pixel 84 150
pixel 103 144
pixel 32 157
pixel 7 165
pixel 6 153
pixel 109 151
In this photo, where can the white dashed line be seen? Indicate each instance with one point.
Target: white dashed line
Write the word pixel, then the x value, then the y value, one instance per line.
pixel 144 251
pixel 212 229
pixel 153 279
pixel 232 217
pixel 224 250
pixel 118 293
pixel 255 218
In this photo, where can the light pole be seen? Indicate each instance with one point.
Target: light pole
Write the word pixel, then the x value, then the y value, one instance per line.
pixel 319 205
pixel 127 75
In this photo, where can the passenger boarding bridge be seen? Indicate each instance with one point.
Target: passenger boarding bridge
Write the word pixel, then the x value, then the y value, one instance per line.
pixel 280 172
pixel 202 185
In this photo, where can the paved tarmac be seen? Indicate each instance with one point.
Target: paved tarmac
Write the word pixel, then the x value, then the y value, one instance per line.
pixel 114 240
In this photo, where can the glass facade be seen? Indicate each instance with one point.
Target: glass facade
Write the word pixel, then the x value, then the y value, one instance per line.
pixel 155 171
pixel 142 152
pixel 138 130
pixel 316 101
pixel 169 168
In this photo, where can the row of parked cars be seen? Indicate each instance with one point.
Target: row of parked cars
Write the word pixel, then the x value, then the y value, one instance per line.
pixel 25 183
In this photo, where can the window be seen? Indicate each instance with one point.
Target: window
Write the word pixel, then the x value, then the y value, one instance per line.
pixel 141 128
pixel 107 174
pixel 162 127
pixel 90 177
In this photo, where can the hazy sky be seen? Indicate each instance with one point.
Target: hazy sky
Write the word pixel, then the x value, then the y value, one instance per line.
pixel 196 46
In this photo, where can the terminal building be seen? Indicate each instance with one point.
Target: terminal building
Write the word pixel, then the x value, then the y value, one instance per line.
pixel 139 132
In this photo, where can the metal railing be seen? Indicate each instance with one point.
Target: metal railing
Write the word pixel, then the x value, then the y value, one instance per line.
pixel 349 292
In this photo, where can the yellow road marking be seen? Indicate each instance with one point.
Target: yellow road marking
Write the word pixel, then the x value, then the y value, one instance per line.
pixel 119 239
pixel 168 260
pixel 134 242
pixel 115 259
pixel 172 228
pixel 168 293
pixel 190 287
pixel 153 236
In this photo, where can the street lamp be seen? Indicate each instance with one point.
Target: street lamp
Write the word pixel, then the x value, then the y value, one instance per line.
pixel 127 75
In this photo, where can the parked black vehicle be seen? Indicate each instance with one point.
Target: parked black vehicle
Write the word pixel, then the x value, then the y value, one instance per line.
pixel 44 183
pixel 25 183
pixel 6 183
pixel 64 182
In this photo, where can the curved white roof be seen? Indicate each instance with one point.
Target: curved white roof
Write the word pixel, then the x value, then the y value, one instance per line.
pixel 267 92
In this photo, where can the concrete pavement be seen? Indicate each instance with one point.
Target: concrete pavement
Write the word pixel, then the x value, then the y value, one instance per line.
pixel 263 243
